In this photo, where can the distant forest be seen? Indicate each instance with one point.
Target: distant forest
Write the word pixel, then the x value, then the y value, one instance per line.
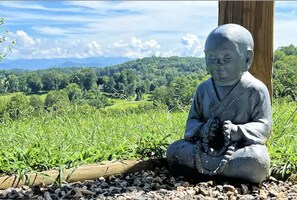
pixel 171 81
pixel 155 75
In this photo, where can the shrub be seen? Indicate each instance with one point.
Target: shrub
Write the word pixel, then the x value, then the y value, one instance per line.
pixel 95 98
pixel 37 103
pixel 74 92
pixel 56 100
pixel 18 106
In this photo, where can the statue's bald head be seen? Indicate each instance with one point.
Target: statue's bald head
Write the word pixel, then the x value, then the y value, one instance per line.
pixel 234 33
pixel 241 39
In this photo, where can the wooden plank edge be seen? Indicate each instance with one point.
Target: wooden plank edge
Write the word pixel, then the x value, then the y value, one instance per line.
pixel 80 173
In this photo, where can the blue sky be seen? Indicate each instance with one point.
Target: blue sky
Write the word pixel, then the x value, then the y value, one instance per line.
pixel 57 29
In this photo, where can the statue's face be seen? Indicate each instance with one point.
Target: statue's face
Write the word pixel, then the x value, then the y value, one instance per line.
pixel 224 61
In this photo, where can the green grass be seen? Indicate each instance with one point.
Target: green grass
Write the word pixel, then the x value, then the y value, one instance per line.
pixel 39 143
pixel 124 104
pixel 88 135
pixel 283 141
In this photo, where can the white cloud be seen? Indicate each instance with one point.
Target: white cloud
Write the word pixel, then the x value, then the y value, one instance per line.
pixel 145 27
pixel 14 4
pixel 29 47
pixel 50 30
pixel 93 49
pixel 123 28
pixel 33 5
pixel 146 7
pixel 190 41
pixel 116 18
pixel 25 45
pixel 192 45
pixel 24 40
pixel 82 49
pixel 134 48
pixel 48 53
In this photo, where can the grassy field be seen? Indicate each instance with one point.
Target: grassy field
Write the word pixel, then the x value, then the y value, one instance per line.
pixel 89 135
pixel 48 141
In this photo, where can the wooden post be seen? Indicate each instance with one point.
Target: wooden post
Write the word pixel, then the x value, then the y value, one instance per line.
pixel 257 17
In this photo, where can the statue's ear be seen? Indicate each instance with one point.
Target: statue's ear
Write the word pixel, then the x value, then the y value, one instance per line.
pixel 249 58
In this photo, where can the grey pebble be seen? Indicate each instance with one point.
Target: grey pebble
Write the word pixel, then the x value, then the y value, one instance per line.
pixel 155 184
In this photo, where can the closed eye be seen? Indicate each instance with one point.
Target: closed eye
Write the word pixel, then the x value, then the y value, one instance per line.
pixel 227 56
pixel 211 58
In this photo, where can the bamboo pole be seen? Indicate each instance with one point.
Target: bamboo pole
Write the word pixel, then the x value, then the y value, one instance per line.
pixel 257 17
pixel 81 173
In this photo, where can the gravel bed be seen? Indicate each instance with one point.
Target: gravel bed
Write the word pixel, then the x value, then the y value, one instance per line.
pixel 156 184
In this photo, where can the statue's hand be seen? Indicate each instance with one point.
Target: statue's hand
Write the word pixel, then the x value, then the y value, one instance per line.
pixel 231 131
pixel 209 129
pixel 214 127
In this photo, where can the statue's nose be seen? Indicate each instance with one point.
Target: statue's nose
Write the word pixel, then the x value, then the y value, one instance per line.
pixel 219 62
pixel 219 65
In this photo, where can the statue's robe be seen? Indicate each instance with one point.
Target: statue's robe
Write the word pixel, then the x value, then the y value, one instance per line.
pixel 247 105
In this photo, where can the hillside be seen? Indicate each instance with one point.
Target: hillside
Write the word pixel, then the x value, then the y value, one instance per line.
pixel 160 66
pixel 126 80
pixel 148 74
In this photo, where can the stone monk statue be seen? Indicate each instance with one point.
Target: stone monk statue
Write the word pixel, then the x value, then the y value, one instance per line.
pixel 230 117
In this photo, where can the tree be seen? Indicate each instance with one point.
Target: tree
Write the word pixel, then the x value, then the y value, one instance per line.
pixel 178 94
pixel 122 84
pixel 95 98
pixel 85 78
pixel 18 106
pixel 90 79
pixel 289 50
pixel 64 81
pixel 124 79
pixel 56 100
pixel 284 73
pixel 11 83
pixel 37 103
pixel 3 40
pixel 102 80
pixel 162 95
pixel 110 85
pixel 51 80
pixel 23 85
pixel 2 86
pixel 34 82
pixel 74 92
pixel 140 90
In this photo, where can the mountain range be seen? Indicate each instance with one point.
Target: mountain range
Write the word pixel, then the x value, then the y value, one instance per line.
pixel 34 64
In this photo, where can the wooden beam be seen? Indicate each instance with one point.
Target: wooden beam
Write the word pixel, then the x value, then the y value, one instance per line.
pixel 257 17
pixel 81 173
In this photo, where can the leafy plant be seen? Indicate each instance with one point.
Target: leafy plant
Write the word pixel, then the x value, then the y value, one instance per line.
pixel 3 39
pixel 18 106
